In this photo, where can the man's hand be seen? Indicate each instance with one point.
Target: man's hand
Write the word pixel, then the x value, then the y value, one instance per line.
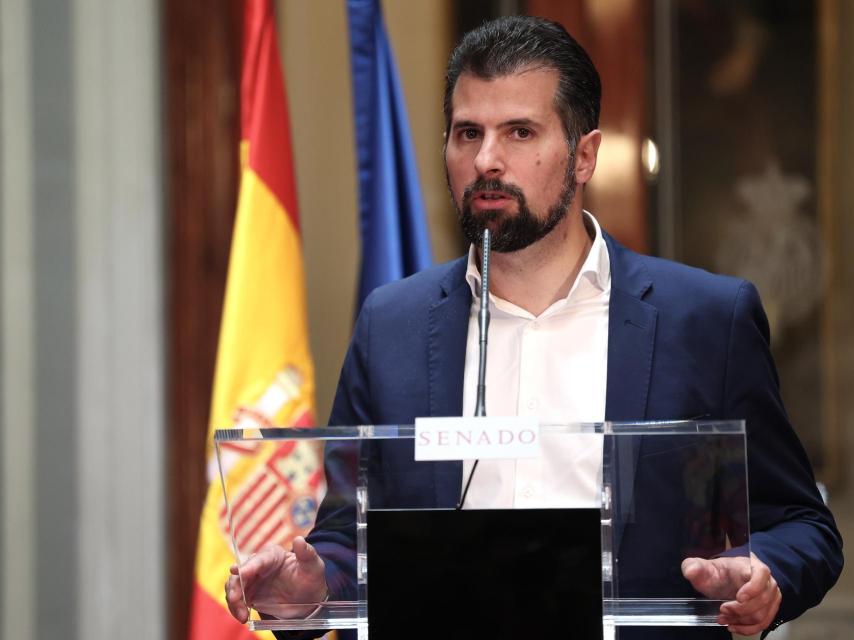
pixel 274 576
pixel 747 584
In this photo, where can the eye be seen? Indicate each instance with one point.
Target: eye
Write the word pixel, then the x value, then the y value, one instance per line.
pixel 522 133
pixel 469 133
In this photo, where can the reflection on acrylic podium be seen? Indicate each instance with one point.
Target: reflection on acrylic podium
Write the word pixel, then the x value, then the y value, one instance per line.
pixel 398 551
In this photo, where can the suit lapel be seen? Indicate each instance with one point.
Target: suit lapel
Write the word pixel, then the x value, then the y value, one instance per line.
pixel 631 341
pixel 447 333
pixel 631 336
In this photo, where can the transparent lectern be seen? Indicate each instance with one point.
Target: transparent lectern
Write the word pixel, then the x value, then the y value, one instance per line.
pixel 664 492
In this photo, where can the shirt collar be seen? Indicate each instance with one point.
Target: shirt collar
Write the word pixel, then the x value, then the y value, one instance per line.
pixel 596 268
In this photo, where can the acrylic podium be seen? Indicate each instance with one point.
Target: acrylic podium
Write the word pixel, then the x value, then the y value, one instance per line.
pixel 664 492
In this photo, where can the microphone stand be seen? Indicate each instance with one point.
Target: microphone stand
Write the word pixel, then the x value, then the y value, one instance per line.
pixel 483 328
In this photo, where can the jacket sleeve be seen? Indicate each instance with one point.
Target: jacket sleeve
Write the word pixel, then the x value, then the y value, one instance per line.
pixel 792 531
pixel 334 533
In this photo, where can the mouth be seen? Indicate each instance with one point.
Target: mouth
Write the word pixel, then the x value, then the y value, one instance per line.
pixel 491 199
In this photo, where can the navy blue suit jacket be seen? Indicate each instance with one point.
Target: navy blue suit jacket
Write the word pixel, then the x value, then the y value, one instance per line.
pixel 682 343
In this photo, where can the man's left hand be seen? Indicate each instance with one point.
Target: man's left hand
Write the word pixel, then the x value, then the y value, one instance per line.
pixel 753 597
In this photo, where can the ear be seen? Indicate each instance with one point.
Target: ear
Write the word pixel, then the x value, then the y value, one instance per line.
pixel 586 152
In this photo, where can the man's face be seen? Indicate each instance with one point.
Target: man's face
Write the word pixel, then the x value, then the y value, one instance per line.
pixel 507 159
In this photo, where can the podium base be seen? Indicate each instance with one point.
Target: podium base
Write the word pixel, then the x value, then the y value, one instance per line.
pixel 329 615
pixel 651 612
pixel 639 612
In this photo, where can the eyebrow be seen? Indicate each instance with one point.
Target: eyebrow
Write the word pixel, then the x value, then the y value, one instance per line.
pixel 464 124
pixel 515 122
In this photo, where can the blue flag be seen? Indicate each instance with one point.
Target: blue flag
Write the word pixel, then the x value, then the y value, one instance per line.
pixel 392 221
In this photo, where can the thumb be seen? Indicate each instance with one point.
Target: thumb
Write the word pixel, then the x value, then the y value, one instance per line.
pixel 746 568
pixel 698 571
pixel 304 552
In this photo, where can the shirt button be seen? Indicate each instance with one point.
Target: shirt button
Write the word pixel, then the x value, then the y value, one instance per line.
pixel 535 326
pixel 532 404
pixel 528 492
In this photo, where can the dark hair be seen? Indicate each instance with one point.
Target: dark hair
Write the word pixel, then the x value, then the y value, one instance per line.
pixel 508 45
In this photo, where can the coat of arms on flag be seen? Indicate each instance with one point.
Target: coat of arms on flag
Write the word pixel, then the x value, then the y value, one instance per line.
pixel 273 491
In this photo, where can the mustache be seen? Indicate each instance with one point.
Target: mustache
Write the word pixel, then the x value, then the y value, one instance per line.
pixel 492 184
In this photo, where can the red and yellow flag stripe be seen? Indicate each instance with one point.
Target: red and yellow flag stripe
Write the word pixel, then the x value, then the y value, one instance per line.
pixel 264 371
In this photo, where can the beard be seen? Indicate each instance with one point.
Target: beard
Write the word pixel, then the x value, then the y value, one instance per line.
pixel 512 232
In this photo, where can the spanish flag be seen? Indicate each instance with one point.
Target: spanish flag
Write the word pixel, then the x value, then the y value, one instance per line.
pixel 264 372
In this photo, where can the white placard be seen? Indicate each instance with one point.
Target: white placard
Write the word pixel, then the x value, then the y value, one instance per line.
pixel 477 438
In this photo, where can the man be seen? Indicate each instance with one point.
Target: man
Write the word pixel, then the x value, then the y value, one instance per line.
pixel 584 330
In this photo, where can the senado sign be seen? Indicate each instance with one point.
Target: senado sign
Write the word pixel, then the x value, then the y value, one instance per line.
pixel 476 438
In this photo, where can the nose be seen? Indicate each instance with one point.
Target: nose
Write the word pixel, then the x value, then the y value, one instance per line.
pixel 490 159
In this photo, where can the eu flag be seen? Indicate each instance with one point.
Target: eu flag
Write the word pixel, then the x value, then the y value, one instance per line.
pixel 395 241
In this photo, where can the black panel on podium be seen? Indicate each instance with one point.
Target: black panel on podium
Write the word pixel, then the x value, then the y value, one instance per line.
pixel 501 574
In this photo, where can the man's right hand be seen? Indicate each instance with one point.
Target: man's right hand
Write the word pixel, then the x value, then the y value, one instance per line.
pixel 275 580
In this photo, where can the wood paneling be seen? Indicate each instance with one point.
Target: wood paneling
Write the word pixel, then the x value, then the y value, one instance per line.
pixel 615 34
pixel 202 61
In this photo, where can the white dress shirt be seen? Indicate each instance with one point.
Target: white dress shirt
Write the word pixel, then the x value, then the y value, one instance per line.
pixel 552 366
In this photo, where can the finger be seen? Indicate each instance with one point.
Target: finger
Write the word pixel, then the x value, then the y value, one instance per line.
pixel 756 617
pixel 240 612
pixel 757 621
pixel 233 589
pixel 743 630
pixel 261 563
pixel 756 585
pixel 751 629
pixel 233 570
pixel 750 624
pixel 234 600
pixel 750 605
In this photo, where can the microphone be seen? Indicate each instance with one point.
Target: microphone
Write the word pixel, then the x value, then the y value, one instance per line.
pixel 483 324
pixel 483 327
